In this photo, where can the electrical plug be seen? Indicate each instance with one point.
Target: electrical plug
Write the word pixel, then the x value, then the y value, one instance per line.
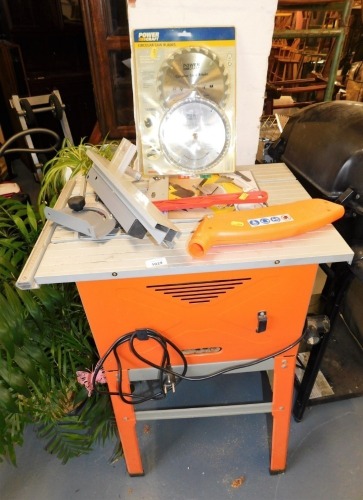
pixel 169 382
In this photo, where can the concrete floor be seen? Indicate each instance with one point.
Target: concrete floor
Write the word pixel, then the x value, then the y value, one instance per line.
pixel 207 458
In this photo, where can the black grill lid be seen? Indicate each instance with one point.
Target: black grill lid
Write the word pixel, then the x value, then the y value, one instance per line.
pixel 324 146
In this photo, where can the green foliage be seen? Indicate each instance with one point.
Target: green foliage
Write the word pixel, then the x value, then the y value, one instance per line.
pixel 44 340
pixel 69 161
pixel 75 433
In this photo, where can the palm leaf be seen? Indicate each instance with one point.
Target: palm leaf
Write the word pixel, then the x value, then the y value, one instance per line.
pixel 66 439
pixel 45 337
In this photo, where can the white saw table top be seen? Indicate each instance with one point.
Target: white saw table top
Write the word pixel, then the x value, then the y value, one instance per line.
pixel 61 259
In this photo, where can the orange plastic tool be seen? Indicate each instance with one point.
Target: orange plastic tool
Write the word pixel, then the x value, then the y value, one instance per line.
pixel 262 224
pixel 211 200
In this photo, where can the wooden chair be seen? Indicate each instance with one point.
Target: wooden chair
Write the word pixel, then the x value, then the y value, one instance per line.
pixel 286 63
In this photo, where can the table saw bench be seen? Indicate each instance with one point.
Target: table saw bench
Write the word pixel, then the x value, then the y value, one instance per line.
pixel 241 306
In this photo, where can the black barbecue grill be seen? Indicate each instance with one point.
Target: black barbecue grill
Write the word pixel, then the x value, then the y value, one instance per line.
pixel 323 146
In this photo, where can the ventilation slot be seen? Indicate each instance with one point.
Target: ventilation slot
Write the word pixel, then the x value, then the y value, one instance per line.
pixel 197 292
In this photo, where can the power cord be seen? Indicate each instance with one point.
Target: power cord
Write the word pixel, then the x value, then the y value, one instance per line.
pixel 51 149
pixel 168 378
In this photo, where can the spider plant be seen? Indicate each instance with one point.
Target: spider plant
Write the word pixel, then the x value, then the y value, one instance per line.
pixel 44 340
pixel 70 160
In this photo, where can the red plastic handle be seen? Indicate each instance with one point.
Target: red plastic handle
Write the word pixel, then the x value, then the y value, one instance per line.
pixel 210 200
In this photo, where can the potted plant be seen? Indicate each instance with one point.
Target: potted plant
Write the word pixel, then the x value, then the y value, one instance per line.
pixel 45 337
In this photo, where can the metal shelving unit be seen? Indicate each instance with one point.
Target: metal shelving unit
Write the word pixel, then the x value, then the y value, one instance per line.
pixel 337 33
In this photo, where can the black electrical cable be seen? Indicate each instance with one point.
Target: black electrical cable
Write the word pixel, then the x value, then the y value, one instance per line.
pixel 134 398
pixel 142 335
pixel 165 368
pixel 50 149
pixel 223 370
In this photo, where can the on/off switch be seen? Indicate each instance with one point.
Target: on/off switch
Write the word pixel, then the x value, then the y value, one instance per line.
pixel 261 321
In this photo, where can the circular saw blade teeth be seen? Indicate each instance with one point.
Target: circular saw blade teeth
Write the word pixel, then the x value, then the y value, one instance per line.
pixel 203 136
pixel 192 71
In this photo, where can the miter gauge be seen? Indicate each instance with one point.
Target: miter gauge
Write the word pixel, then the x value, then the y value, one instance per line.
pixel 186 100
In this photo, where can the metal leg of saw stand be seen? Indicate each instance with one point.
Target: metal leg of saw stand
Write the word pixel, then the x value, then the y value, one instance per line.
pixel 283 367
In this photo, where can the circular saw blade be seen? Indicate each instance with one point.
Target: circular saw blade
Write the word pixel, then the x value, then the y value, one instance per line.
pixel 194 134
pixel 192 72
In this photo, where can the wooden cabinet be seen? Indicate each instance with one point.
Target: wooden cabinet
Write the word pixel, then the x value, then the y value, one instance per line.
pixel 18 16
pixel 106 28
pixel 48 36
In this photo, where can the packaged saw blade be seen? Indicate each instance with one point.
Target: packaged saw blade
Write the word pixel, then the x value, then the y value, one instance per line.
pixel 184 88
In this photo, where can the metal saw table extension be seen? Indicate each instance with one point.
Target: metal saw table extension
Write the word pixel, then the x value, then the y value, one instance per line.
pixel 211 308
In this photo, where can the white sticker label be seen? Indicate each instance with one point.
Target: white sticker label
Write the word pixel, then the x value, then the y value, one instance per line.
pixel 273 219
pixel 156 262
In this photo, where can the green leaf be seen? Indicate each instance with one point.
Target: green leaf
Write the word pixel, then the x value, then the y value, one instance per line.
pixel 14 379
pixel 6 338
pixel 21 226
pixel 12 313
pixel 66 439
pixel 12 298
pixel 37 355
pixel 32 305
pixel 32 217
pixel 26 364
pixel 7 400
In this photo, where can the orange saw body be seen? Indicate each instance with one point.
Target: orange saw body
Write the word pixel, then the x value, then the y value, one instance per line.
pixel 263 224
